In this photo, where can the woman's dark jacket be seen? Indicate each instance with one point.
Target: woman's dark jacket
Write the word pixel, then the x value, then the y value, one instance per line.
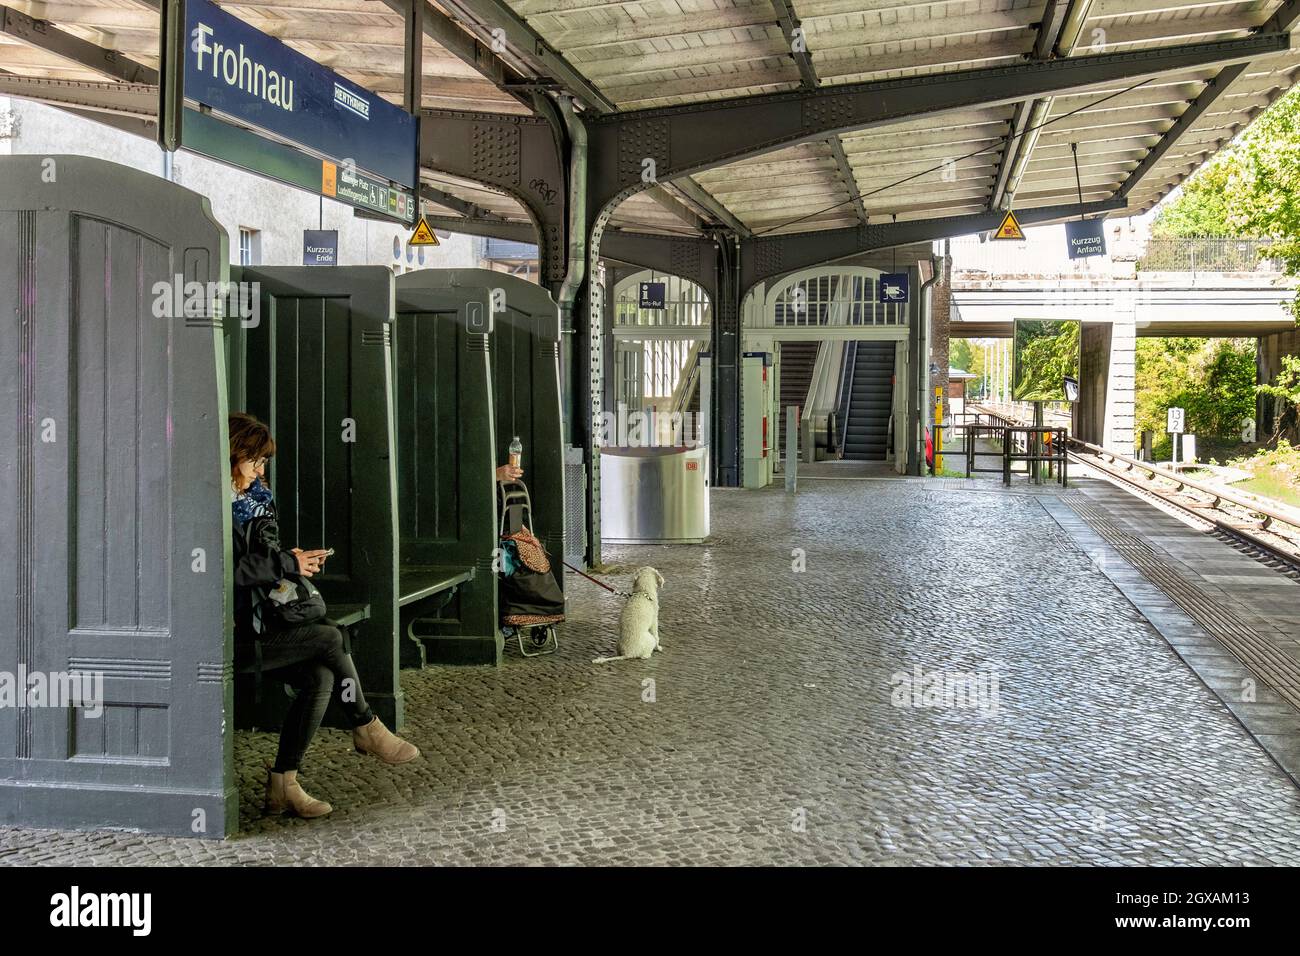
pixel 260 562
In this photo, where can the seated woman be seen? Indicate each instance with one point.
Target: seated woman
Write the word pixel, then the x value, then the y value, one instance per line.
pixel 310 657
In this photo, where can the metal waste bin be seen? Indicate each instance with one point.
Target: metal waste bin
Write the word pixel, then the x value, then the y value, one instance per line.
pixel 654 495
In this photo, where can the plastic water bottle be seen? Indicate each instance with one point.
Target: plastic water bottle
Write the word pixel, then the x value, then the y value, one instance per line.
pixel 516 453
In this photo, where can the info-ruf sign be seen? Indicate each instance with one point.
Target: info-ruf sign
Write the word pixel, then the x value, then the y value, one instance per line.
pixel 245 98
pixel 1045 359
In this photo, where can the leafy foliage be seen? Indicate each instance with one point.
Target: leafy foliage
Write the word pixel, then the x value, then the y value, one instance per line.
pixel 1251 188
pixel 1212 379
pixel 1046 352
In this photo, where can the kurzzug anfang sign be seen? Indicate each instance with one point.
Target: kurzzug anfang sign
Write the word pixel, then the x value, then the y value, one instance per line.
pixel 241 73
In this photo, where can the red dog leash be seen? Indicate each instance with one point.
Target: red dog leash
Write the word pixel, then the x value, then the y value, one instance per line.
pixel 594 581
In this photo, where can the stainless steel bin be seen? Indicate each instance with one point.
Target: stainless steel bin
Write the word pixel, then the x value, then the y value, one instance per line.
pixel 654 495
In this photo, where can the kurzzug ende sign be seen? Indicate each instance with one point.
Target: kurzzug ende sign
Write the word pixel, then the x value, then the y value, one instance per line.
pixel 252 78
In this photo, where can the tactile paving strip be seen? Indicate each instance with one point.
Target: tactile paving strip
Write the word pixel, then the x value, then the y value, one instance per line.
pixel 1266 661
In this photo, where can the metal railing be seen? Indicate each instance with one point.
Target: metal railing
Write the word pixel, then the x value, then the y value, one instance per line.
pixel 1030 445
pixel 974 261
pixel 1207 255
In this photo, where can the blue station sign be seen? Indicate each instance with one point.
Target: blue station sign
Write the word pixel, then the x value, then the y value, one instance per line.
pixel 1085 238
pixel 651 295
pixel 255 79
pixel 893 287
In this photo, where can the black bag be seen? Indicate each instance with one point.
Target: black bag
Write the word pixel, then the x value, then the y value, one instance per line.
pixel 294 603
pixel 528 593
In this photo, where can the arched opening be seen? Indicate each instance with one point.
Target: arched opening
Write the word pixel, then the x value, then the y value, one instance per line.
pixel 657 351
pixel 822 340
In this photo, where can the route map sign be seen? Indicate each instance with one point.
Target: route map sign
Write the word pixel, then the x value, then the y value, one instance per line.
pixel 218 67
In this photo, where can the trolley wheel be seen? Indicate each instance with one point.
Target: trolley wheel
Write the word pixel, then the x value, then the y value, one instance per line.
pixel 542 639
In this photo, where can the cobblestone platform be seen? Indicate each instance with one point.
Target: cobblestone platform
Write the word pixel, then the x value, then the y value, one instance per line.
pixel 775 727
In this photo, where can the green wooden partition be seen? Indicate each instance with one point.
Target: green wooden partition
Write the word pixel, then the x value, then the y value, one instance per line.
pixel 317 368
pixel 445 465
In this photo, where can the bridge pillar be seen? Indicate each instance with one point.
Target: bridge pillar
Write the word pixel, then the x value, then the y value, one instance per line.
pixel 1104 414
pixel 1268 362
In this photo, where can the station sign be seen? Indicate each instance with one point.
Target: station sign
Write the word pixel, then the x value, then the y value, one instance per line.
pixel 1085 238
pixel 218 67
pixel 893 287
pixel 320 247
pixel 652 295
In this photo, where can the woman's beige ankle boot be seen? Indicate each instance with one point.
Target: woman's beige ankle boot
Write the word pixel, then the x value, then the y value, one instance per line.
pixel 375 738
pixel 285 795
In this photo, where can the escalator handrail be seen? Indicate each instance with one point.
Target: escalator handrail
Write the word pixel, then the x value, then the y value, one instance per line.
pixel 846 393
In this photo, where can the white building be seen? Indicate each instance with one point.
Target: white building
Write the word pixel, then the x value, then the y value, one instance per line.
pixel 264 219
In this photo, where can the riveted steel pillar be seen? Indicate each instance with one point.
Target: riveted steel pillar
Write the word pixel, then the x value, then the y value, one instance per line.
pixel 724 429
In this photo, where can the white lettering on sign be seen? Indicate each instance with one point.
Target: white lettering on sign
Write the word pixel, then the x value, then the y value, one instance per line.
pixel 351 102
pixel 235 68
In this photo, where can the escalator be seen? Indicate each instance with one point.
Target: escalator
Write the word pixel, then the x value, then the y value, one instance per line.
pixel 870 402
pixel 797 362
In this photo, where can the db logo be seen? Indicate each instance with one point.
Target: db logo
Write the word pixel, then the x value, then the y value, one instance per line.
pixel 692 466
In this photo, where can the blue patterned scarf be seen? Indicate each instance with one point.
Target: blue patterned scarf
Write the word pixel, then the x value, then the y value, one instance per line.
pixel 252 503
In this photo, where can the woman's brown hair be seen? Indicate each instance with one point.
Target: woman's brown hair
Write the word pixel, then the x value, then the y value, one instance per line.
pixel 250 440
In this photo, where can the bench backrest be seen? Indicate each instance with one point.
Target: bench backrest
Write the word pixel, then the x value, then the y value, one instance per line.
pixel 445 444
pixel 317 369
pixel 114 500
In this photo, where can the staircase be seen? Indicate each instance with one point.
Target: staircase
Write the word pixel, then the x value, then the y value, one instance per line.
pixel 797 361
pixel 867 437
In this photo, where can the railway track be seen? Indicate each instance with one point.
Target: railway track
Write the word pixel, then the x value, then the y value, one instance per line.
pixel 1263 533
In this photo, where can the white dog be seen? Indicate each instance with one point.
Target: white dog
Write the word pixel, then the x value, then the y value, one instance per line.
pixel 638 625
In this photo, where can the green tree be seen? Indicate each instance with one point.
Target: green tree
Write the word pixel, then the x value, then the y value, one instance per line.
pixel 1212 379
pixel 1250 189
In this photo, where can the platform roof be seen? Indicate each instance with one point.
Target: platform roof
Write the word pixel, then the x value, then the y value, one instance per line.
pixel 628 55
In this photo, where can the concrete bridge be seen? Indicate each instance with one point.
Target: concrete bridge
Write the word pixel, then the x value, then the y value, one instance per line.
pixel 1164 287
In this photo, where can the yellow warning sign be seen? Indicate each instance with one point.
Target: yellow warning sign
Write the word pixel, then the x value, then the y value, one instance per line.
pixel 423 235
pixel 1010 228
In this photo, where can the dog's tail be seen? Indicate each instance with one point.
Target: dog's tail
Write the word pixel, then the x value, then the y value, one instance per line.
pixel 606 660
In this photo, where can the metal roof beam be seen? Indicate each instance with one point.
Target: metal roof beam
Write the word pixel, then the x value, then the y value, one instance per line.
pixel 1281 22
pixel 135 100
pixel 44 36
pixel 1057 35
pixel 448 34
pixel 478 226
pixel 767 256
pixel 704 199
pixel 849 177
pixel 794 38
pixel 686 139
pixel 493 15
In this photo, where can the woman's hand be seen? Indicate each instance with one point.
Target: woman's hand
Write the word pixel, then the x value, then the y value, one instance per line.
pixel 509 473
pixel 309 562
